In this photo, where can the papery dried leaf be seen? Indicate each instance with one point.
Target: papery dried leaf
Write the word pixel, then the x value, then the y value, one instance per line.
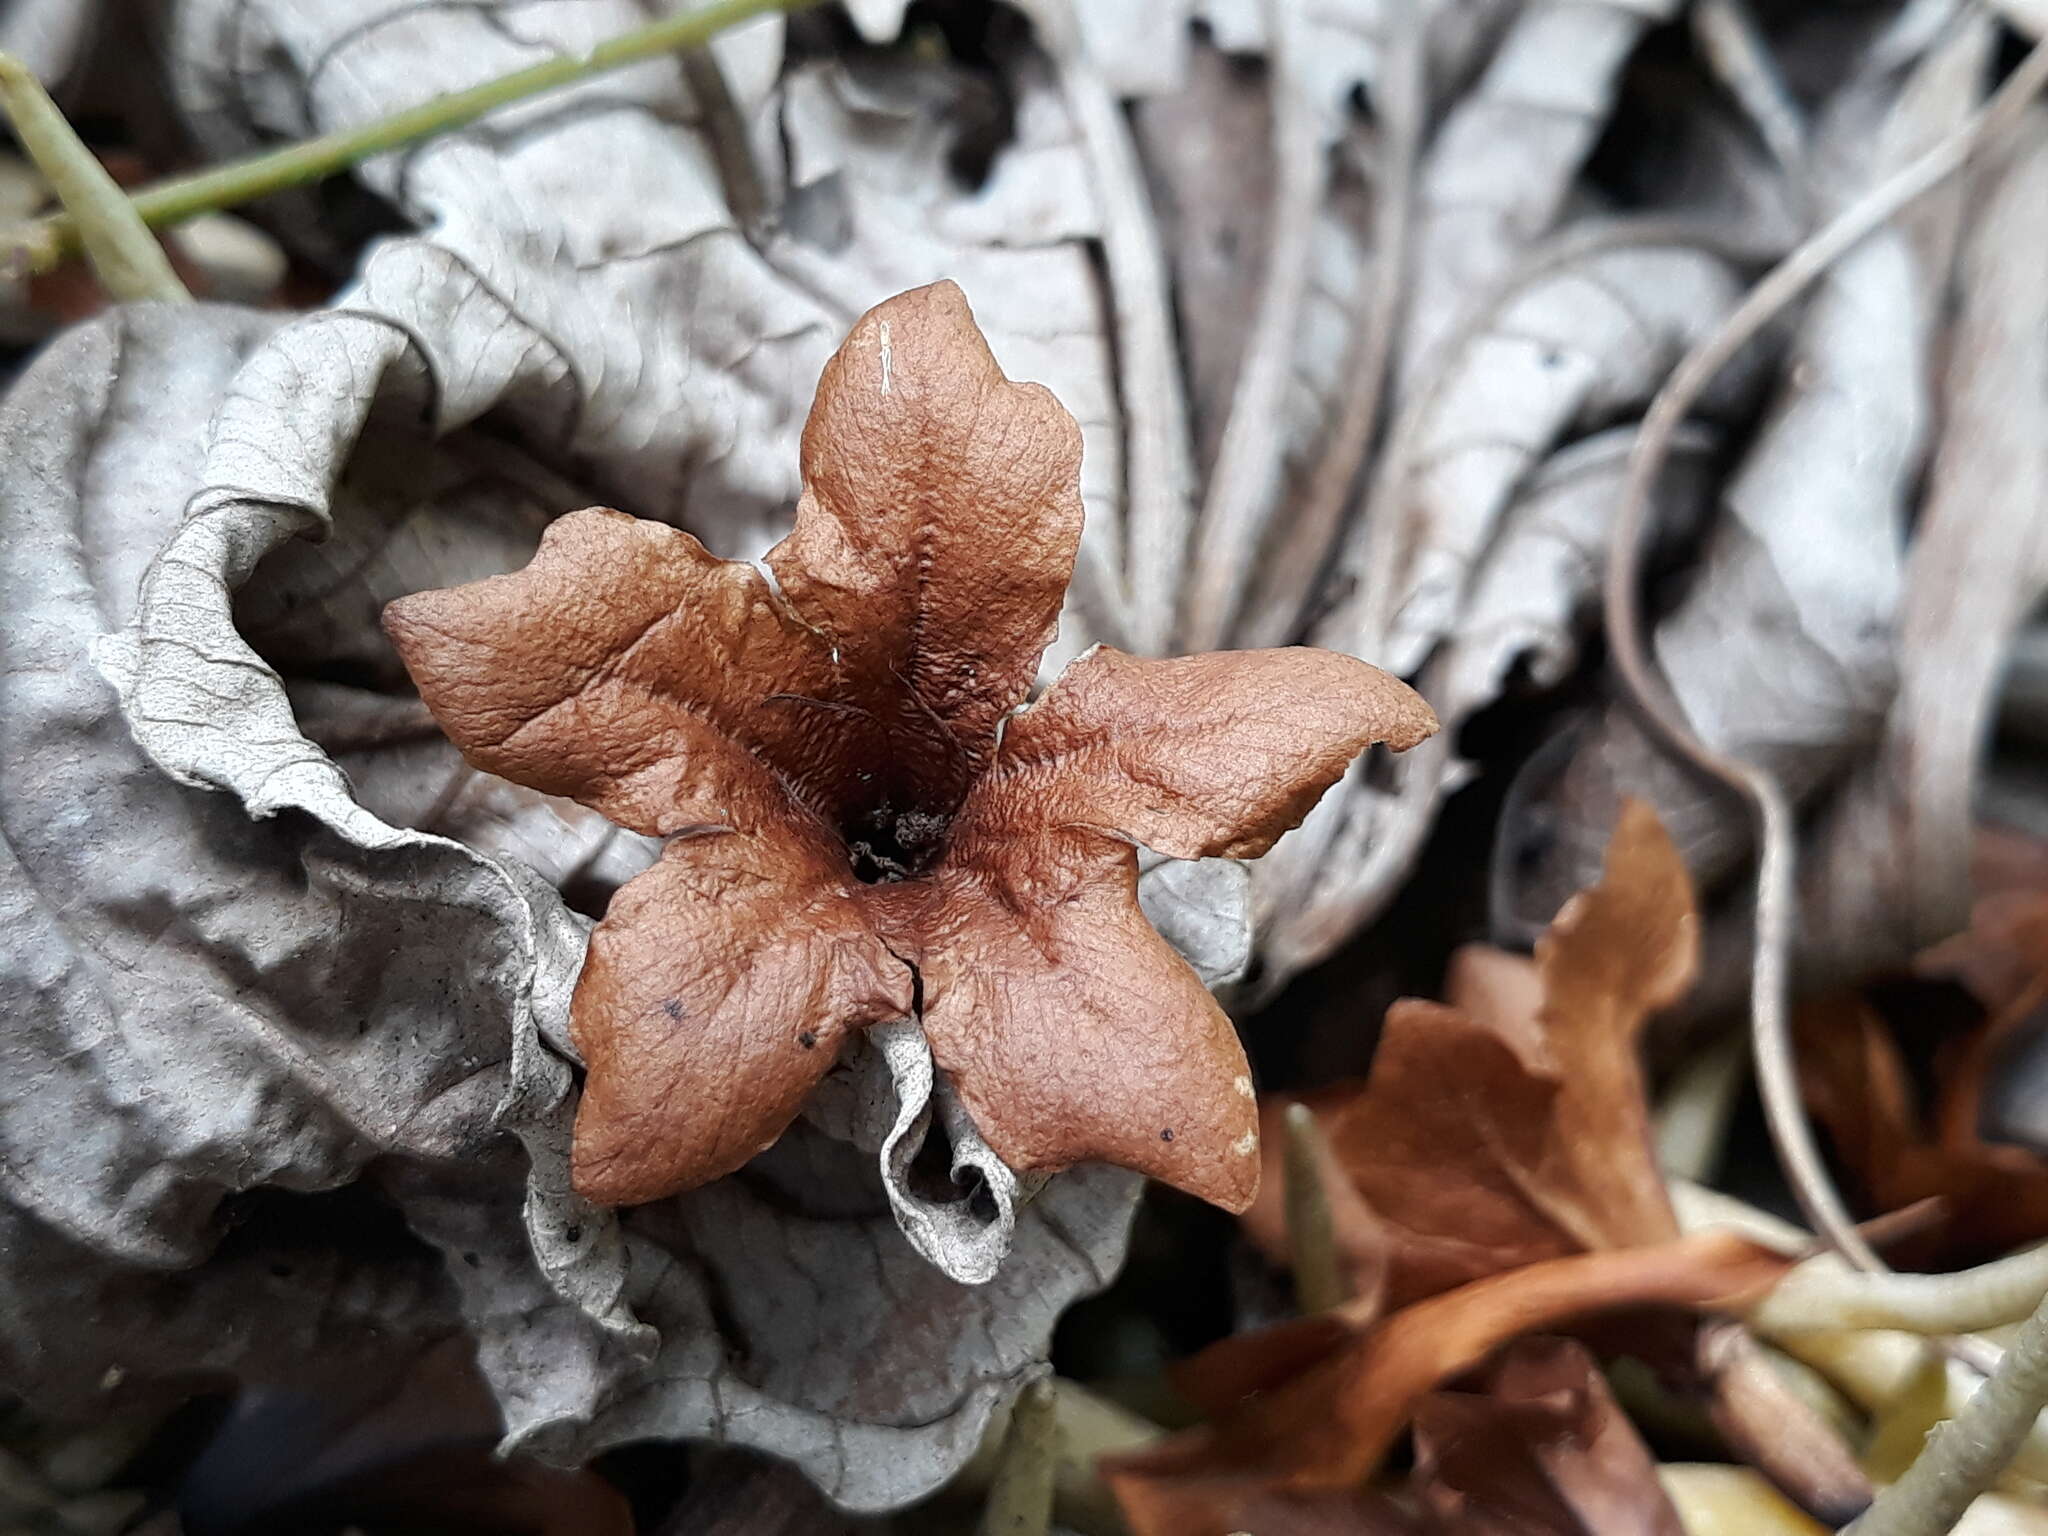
pixel 1572 341
pixel 1535 587
pixel 1328 1427
pixel 1498 169
pixel 164 938
pixel 1585 334
pixel 1892 873
pixel 1537 1444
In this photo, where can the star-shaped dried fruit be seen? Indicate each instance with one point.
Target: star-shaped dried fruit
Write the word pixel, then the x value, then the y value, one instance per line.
pixel 862 825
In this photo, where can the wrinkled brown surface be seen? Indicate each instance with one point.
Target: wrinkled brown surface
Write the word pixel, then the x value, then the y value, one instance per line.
pixel 1072 1029
pixel 848 718
pixel 1537 1447
pixel 727 932
pixel 1328 1426
pixel 1198 756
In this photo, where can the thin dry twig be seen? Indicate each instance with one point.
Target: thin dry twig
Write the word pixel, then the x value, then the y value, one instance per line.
pixel 1790 1132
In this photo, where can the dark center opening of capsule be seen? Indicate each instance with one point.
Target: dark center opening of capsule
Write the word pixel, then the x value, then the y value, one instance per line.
pixel 888 844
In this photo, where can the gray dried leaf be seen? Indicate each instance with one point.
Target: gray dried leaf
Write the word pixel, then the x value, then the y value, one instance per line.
pixel 1890 872
pixel 1496 174
pixel 1783 650
pixel 689 342
pixel 1535 589
pixel 207 1004
pixel 1577 339
pixel 1584 335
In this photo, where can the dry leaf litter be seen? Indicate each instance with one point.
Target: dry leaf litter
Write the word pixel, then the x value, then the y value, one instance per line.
pixel 573 982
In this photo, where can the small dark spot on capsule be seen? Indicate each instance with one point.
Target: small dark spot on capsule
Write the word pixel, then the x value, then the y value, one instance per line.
pixel 1166 1135
pixel 671 1007
pixel 282 1271
pixel 574 1234
pixel 471 1260
pixel 807 1039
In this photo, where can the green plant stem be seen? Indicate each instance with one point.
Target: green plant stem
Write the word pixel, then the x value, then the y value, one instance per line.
pixel 1965 1454
pixel 125 255
pixel 47 241
pixel 1311 1235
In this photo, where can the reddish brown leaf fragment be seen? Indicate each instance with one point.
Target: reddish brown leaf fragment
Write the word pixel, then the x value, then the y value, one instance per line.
pixel 1518 1129
pixel 1611 958
pixel 1537 1447
pixel 1329 1427
pixel 1856 1085
pixel 1449 1148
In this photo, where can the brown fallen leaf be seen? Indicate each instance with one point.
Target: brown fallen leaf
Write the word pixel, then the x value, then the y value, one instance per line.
pixel 1856 1084
pixel 1327 1427
pixel 862 825
pixel 1511 1125
pixel 1493 1174
pixel 1537 1446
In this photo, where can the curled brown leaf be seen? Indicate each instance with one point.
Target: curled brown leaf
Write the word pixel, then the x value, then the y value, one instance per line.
pixel 1328 1426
